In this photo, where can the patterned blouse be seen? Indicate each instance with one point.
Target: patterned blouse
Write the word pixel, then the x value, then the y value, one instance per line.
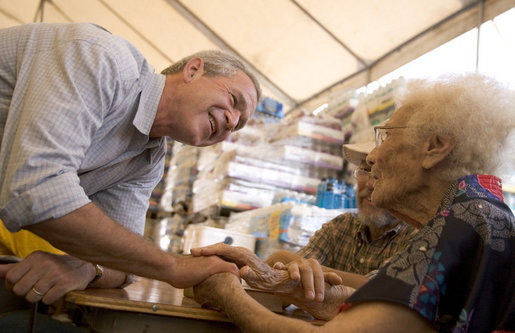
pixel 459 271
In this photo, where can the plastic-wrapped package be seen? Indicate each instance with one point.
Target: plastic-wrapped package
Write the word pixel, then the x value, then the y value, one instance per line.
pixel 299 223
pixel 281 226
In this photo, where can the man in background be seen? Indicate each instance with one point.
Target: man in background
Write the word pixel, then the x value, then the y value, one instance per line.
pixel 351 245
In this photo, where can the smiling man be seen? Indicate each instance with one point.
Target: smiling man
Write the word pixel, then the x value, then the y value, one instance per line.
pixel 83 120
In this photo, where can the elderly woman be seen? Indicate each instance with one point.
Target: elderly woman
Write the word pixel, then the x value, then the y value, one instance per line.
pixel 431 164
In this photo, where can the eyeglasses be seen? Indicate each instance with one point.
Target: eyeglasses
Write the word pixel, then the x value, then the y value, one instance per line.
pixel 360 173
pixel 381 133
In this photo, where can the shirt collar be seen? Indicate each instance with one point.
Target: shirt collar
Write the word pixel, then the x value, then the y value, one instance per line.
pixel 364 234
pixel 152 86
pixel 471 186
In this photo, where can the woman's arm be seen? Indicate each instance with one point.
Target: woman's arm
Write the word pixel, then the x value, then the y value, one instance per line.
pixel 223 291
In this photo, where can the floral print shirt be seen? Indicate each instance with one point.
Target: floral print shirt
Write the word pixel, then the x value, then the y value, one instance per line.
pixel 459 272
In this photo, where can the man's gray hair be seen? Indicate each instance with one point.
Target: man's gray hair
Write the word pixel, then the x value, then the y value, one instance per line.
pixel 216 63
pixel 478 111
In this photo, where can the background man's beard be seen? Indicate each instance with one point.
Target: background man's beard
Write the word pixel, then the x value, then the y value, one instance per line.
pixel 376 219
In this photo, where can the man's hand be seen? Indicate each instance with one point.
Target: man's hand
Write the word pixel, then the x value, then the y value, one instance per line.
pixel 47 277
pixel 189 271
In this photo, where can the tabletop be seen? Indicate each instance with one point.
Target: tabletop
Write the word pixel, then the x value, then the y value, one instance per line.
pixel 159 298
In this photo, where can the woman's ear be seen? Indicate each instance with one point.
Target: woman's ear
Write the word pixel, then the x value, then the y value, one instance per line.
pixel 193 69
pixel 438 148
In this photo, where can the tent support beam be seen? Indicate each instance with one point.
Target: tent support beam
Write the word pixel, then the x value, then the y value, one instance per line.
pixel 348 49
pixel 498 6
pixel 480 17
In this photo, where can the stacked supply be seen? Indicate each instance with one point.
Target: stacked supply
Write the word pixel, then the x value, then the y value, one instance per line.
pixel 269 111
pixel 335 194
pixel 180 177
pixel 227 178
pixel 244 181
pixel 299 223
pixel 247 173
pixel 160 189
pixel 282 226
pixel 323 133
pixel 380 104
pixel 293 196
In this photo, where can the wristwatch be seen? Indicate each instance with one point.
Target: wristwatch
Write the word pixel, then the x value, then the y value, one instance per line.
pixel 99 272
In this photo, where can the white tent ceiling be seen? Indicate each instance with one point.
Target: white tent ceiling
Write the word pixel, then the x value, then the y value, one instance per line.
pixel 301 50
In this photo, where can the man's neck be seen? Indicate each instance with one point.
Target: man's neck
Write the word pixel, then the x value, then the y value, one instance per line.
pixel 160 126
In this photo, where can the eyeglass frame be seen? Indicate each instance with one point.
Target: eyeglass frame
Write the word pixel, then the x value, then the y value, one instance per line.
pixel 377 133
pixel 362 171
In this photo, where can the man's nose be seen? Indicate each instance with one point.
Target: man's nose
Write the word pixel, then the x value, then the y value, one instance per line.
pixel 231 120
pixel 370 181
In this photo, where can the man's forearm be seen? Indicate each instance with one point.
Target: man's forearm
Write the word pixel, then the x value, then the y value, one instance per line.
pixel 90 235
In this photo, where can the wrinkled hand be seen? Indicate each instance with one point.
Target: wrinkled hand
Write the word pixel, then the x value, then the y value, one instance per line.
pixel 50 274
pixel 310 274
pixel 189 271
pixel 335 296
pixel 211 291
pixel 282 279
pixel 252 269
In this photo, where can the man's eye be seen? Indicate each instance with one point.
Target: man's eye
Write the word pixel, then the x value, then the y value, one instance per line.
pixel 385 135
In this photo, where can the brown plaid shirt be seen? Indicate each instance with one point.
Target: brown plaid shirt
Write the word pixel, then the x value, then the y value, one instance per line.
pixel 343 244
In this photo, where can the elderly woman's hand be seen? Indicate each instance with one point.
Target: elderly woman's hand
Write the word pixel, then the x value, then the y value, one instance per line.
pixel 310 274
pixel 335 296
pixel 253 270
pixel 211 291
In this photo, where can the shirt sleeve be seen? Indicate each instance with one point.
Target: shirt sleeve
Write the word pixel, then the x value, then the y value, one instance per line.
pixel 64 92
pixel 127 202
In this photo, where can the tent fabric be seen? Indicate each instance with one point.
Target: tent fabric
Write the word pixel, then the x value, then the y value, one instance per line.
pixel 301 50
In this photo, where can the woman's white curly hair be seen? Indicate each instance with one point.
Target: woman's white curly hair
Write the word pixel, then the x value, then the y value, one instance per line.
pixel 478 111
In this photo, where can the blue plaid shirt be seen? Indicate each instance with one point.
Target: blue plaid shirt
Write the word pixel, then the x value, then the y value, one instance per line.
pixel 76 108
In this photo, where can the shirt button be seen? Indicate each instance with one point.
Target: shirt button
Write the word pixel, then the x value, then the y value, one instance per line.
pixel 361 260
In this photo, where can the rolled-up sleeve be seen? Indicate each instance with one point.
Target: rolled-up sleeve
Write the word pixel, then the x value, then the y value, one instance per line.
pixel 62 95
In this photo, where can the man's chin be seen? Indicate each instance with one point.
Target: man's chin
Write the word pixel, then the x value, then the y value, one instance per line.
pixel 373 216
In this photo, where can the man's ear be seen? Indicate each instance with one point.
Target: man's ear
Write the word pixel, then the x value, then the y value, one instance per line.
pixel 193 69
pixel 438 148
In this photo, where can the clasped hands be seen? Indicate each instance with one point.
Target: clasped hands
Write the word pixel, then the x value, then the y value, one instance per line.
pixel 301 282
